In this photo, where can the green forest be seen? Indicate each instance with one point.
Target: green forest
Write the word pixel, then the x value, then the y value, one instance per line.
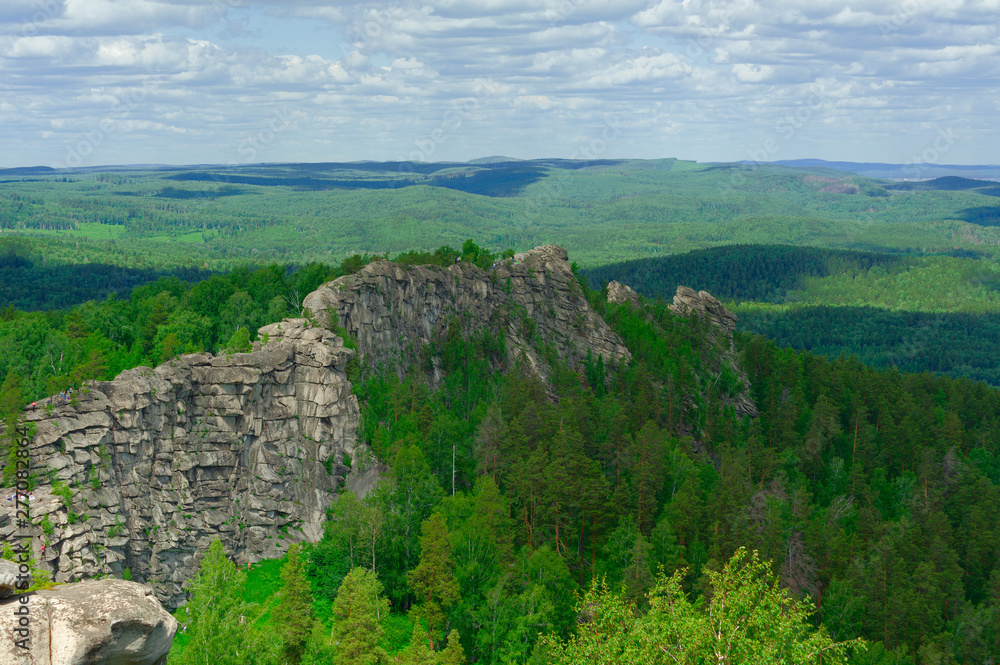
pixel 618 509
pixel 936 313
pixel 855 516
pixel 602 211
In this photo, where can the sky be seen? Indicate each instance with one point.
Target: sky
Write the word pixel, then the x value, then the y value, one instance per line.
pixel 100 82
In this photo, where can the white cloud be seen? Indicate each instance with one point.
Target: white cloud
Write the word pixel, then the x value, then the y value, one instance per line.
pixel 705 79
pixel 749 73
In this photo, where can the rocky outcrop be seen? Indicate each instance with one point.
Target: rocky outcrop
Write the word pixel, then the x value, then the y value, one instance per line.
pixel 534 299
pixel 622 293
pixel 100 622
pixel 704 305
pixel 687 300
pixel 146 470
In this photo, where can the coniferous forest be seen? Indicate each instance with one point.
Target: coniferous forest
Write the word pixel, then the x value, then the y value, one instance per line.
pixel 499 332
pixel 520 522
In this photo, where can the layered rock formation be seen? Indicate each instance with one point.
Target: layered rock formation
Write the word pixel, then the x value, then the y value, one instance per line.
pixel 622 293
pixel 687 301
pixel 101 622
pixel 534 299
pixel 148 469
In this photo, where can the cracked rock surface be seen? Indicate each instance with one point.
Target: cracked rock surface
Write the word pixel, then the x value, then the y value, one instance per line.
pixel 97 622
pixel 143 472
pixel 534 299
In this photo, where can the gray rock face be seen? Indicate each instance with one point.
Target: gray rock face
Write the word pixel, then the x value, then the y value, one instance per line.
pixel 143 472
pixel 707 306
pixel 535 299
pixel 8 578
pixel 622 293
pixel 99 622
pixel 156 464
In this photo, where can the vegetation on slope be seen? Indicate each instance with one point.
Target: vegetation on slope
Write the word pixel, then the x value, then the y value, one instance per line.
pixel 917 313
pixel 873 494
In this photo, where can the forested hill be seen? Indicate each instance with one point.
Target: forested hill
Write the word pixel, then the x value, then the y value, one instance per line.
pixel 600 210
pixel 28 283
pixel 763 273
pixel 873 493
pixel 918 313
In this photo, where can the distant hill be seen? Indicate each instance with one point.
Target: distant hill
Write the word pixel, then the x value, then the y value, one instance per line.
pixel 27 170
pixel 763 273
pixel 493 159
pixel 900 171
pixel 949 183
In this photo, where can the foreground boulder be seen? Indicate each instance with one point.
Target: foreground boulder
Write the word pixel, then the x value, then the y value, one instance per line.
pixel 8 578
pixel 98 622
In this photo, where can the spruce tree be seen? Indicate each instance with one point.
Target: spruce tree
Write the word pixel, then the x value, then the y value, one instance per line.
pixel 418 652
pixel 219 620
pixel 357 614
pixel 453 654
pixel 294 608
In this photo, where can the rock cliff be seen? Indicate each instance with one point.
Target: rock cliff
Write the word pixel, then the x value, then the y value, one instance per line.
pixel 145 471
pixel 687 301
pixel 534 299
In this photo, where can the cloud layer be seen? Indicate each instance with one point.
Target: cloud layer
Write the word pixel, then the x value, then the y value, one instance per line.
pixel 86 82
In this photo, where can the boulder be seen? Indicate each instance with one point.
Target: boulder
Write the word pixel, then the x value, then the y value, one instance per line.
pixel 98 622
pixel 8 578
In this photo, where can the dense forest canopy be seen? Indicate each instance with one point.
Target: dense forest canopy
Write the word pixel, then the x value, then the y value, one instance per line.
pixel 872 493
pixel 917 313
pixel 600 210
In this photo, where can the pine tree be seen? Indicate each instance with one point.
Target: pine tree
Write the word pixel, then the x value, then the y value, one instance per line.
pixel 294 607
pixel 219 619
pixel 418 652
pixel 453 654
pixel 11 418
pixel 433 580
pixel 357 614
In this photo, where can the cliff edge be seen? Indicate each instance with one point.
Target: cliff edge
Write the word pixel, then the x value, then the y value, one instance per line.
pixel 534 300
pixel 146 470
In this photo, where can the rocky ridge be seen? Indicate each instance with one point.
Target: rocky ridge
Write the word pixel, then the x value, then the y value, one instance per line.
pixel 143 472
pixel 146 470
pixel 703 304
pixel 534 299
